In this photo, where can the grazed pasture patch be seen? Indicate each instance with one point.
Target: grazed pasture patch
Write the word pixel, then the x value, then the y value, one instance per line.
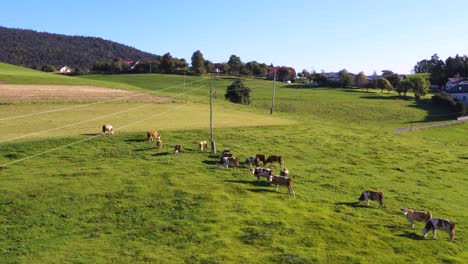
pixel 30 93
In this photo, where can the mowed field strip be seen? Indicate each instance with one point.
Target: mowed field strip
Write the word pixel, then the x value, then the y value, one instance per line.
pixel 75 120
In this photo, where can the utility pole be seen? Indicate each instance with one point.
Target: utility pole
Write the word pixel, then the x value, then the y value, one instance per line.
pixel 273 97
pixel 183 89
pixel 213 143
pixel 292 100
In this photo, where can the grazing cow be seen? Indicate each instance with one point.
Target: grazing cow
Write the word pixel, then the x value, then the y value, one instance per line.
pixel 107 129
pixel 274 158
pixel 284 172
pixel 153 135
pixel 371 195
pixel 259 172
pixel 178 149
pixel 281 180
pixel 441 224
pixel 261 158
pixel 226 153
pixel 229 161
pixel 413 215
pixel 159 144
pixel 203 145
pixel 251 161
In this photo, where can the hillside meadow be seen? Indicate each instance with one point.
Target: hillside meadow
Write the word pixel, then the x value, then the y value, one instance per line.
pixel 118 199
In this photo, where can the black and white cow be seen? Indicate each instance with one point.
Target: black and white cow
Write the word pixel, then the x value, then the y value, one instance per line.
pixel 178 149
pixel 229 161
pixel 441 224
pixel 371 195
pixel 261 172
pixel 250 161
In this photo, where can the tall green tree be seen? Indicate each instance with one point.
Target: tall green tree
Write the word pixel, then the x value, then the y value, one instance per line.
pixel 235 65
pixel 384 84
pixel 361 80
pixel 392 77
pixel 346 79
pixel 403 87
pixel 209 66
pixel 167 64
pixel 419 84
pixel 198 63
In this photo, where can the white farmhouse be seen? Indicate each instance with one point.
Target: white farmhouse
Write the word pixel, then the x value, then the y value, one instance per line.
pixel 458 89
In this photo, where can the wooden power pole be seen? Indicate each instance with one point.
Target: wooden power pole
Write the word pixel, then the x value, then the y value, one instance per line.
pixel 213 143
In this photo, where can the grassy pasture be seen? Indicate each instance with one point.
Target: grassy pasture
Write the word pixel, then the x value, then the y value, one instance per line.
pixel 119 199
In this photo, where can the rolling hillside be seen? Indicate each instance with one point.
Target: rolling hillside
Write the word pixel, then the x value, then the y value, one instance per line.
pixel 71 195
pixel 29 47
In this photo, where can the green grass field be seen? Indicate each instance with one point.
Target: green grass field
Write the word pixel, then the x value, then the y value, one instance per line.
pixel 118 199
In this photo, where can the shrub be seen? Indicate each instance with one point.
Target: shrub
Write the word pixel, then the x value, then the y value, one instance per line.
pixel 238 93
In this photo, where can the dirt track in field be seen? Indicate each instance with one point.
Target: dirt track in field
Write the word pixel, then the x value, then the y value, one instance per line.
pixel 30 93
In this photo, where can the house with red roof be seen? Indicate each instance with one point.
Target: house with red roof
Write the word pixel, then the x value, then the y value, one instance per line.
pixel 272 69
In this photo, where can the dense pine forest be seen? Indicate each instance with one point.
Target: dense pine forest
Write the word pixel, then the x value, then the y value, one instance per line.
pixel 31 48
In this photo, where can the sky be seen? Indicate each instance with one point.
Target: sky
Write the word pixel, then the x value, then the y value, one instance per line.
pixel 356 35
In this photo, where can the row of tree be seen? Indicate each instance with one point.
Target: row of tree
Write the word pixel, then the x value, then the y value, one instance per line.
pixel 440 71
pixel 170 65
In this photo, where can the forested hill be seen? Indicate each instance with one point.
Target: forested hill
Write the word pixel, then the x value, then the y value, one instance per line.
pixel 29 48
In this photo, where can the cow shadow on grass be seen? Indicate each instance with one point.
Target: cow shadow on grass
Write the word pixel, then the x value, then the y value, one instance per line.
pixel 90 134
pixel 165 153
pixel 411 235
pixel 211 162
pixel 353 204
pixel 253 183
pixel 145 149
pixel 135 140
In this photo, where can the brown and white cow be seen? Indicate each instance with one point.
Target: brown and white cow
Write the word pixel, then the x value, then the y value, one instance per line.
pixel 440 224
pixel 371 195
pixel 414 215
pixel 153 135
pixel 281 180
pixel 203 145
pixel 284 172
pixel 251 161
pixel 261 158
pixel 159 144
pixel 261 172
pixel 178 149
pixel 274 158
pixel 229 161
pixel 107 129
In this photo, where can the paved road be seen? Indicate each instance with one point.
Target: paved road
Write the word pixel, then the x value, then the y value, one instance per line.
pixel 448 123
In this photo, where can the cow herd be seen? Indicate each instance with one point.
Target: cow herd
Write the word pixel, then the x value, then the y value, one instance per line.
pixel 227 160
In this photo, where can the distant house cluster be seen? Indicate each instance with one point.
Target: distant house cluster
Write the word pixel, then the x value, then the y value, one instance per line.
pixel 458 89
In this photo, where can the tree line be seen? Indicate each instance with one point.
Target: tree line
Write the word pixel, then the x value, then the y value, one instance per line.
pixel 441 70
